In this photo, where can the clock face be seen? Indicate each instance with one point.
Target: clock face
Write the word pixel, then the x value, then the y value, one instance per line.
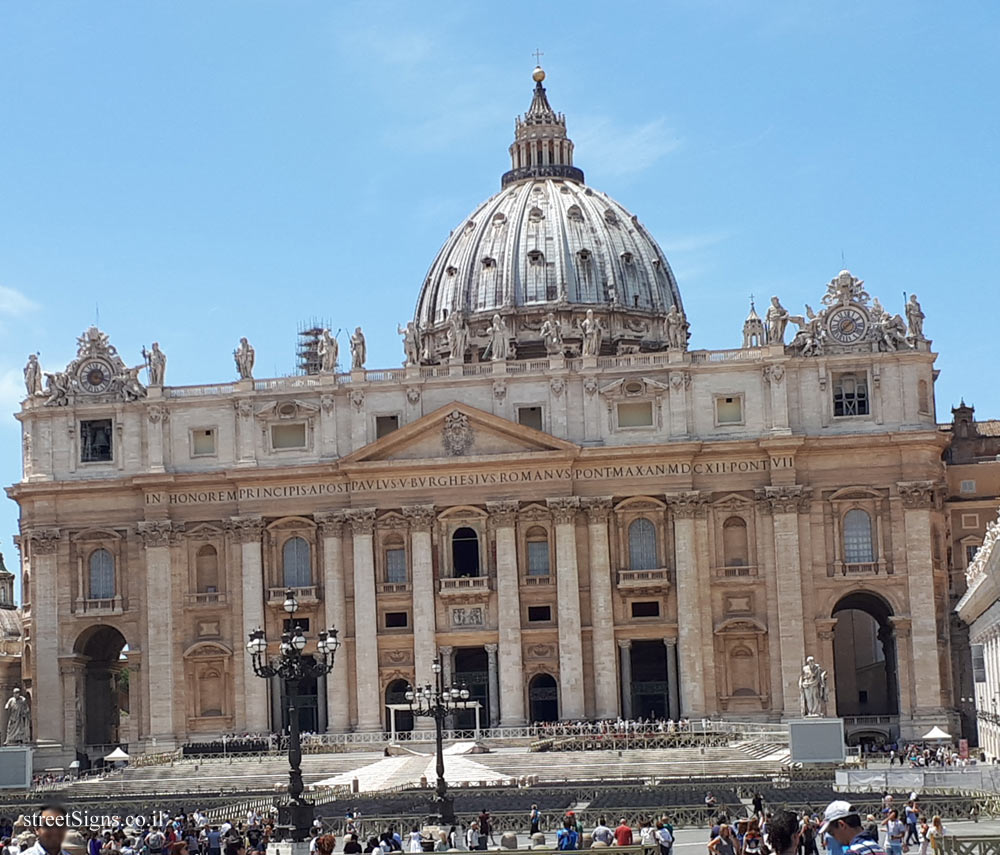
pixel 95 376
pixel 848 325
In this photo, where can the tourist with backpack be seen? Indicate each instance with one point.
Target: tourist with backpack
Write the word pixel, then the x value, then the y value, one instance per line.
pixel 567 839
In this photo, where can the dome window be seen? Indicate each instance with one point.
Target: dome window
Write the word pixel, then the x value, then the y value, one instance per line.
pixel 535 215
pixel 574 214
pixel 451 271
pixel 627 258
pixel 499 220
pixel 535 258
pixel 469 226
pixel 610 217
pixel 489 263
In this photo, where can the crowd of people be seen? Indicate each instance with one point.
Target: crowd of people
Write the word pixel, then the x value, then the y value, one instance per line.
pixel 917 756
pixel 841 830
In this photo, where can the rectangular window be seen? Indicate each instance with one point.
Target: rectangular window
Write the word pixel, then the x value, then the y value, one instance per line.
pixel 530 417
pixel 970 520
pixel 95 441
pixel 395 566
pixel 967 487
pixel 862 696
pixel 978 663
pixel 729 410
pixel 970 553
pixel 539 614
pixel 538 558
pixel 202 442
pixel 646 608
pixel 384 425
pixel 635 414
pixel 850 395
pixel 288 436
pixel 396 620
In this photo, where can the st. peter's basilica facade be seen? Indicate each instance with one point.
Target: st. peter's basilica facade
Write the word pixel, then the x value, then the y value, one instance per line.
pixel 580 515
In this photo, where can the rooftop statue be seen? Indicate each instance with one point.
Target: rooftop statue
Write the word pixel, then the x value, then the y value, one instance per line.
pixel 359 350
pixel 244 356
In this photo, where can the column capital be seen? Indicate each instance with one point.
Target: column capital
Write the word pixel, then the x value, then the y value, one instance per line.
pixel 445 650
pixel 246 529
pixel 564 509
pixel 624 643
pixel 361 520
pixel 421 517
pixel 159 533
pixel 920 494
pixel 331 523
pixel 901 625
pixel 687 504
pixel 502 514
pixel 44 541
pixel 670 642
pixel 825 628
pixel 787 499
pixel 597 508
pixel 491 649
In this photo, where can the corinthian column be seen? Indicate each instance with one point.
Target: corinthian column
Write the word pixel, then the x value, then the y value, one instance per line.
pixel 421 519
pixel 331 526
pixel 920 499
pixel 247 532
pixel 46 693
pixel 156 538
pixel 691 642
pixel 602 619
pixel 510 661
pixel 564 512
pixel 784 504
pixel 366 674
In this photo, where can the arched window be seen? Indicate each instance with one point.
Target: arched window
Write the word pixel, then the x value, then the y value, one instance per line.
pixel 465 552
pixel 734 542
pixel 642 545
pixel 295 563
pixel 102 575
pixel 858 542
pixel 395 561
pixel 206 569
pixel 537 540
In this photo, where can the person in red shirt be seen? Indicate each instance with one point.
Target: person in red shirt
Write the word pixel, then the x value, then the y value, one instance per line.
pixel 623 833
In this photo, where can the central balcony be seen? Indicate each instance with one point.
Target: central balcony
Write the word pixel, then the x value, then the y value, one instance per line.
pixel 644 580
pixel 465 587
pixel 306 594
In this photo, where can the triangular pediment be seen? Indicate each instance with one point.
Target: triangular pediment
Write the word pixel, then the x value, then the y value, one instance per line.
pixel 456 431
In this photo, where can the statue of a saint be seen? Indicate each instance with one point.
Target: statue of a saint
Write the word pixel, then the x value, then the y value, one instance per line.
pixel 592 334
pixel 328 352
pixel 776 320
pixel 675 329
pixel 915 318
pixel 552 335
pixel 458 337
pixel 33 376
pixel 411 343
pixel 19 720
pixel 359 350
pixel 499 344
pixel 812 688
pixel 156 364
pixel 244 356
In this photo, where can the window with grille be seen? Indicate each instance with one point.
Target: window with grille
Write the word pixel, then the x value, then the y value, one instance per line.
pixel 850 395
pixel 102 575
pixel 858 544
pixel 295 563
pixel 395 566
pixel 642 545
pixel 95 441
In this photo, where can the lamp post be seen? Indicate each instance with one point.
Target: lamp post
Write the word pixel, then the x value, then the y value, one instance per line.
pixel 438 702
pixel 291 666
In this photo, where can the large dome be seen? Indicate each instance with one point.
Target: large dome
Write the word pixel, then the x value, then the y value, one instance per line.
pixel 547 243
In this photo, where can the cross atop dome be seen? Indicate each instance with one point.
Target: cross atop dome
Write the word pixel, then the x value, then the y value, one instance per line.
pixel 541 148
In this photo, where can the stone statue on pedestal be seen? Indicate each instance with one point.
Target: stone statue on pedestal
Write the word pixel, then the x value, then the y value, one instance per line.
pixel 458 336
pixel 499 346
pixel 328 351
pixel 411 343
pixel 359 349
pixel 244 356
pixel 776 319
pixel 914 318
pixel 156 364
pixel 19 722
pixel 812 689
pixel 551 333
pixel 33 376
pixel 592 334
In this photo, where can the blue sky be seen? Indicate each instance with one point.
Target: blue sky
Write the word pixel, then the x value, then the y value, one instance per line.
pixel 198 171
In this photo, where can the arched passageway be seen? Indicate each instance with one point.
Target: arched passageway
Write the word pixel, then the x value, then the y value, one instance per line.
pixel 395 693
pixel 103 692
pixel 543 698
pixel 864 652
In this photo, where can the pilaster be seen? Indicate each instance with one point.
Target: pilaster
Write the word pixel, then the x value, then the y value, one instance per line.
pixel 564 511
pixel 503 517
pixel 421 518
pixel 602 619
pixel 331 528
pixel 46 692
pixel 247 531
pixel 366 666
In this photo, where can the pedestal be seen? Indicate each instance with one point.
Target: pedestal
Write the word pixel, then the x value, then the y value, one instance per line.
pixel 816 740
pixel 288 847
pixel 15 767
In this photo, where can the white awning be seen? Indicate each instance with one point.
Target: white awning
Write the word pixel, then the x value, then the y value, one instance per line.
pixel 116 755
pixel 936 733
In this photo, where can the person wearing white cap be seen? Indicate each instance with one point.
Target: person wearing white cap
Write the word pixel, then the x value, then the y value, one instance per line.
pixel 842 822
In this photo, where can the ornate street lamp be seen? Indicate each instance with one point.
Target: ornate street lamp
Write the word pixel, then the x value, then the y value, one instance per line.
pixel 291 666
pixel 438 702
